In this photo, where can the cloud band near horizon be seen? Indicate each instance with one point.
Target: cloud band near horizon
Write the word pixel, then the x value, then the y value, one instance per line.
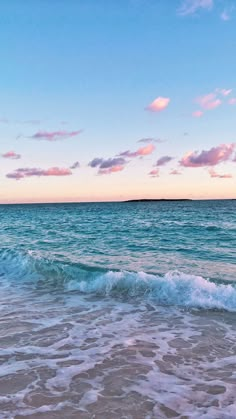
pixel 11 155
pixel 26 172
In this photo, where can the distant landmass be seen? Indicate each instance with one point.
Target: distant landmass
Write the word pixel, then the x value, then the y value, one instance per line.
pixel 157 200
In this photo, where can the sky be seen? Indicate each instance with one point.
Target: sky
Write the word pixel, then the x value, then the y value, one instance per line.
pixel 105 100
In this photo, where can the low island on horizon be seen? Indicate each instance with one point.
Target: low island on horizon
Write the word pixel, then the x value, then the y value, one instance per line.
pixel 157 200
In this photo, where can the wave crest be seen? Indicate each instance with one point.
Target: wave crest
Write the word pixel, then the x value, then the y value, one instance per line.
pixel 174 288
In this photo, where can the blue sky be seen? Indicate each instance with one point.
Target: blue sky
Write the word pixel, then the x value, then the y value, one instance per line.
pixel 96 66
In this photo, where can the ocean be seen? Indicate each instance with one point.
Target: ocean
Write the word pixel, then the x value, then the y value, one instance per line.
pixel 118 310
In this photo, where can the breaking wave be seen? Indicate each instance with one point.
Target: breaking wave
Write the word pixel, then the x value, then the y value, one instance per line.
pixel 173 288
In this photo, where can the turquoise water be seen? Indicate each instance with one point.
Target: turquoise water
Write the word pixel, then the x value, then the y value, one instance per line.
pixel 125 248
pixel 118 310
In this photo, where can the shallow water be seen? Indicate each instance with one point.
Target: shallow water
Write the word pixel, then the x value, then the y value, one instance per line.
pixel 118 310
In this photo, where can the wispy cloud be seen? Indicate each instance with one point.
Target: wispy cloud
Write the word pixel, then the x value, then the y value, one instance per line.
pixel 218 175
pixel 154 173
pixel 209 101
pixel 26 172
pixel 175 172
pixel 163 160
pixel 75 165
pixel 197 114
pixel 190 7
pixel 150 140
pixel 159 104
pixel 11 155
pixel 232 101
pixel 210 157
pixel 109 170
pixel 141 152
pixel 55 135
pixel 224 92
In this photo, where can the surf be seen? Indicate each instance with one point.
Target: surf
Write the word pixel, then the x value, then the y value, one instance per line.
pixel 174 288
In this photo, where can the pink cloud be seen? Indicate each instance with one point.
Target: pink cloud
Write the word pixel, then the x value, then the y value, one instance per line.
pixel 109 170
pixel 209 101
pixel 55 135
pixel 189 7
pixel 11 155
pixel 159 104
pixel 175 172
pixel 210 157
pixel 213 104
pixel 154 173
pixel 145 151
pixel 56 171
pixel 217 175
pixel 30 172
pixel 197 114
pixel 141 152
pixel 232 101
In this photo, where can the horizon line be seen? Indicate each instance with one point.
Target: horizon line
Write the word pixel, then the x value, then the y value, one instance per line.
pixel 132 200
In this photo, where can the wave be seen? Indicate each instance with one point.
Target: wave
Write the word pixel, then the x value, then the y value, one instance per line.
pixel 173 288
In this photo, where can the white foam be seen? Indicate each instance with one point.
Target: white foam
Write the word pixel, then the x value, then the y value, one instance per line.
pixel 174 288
